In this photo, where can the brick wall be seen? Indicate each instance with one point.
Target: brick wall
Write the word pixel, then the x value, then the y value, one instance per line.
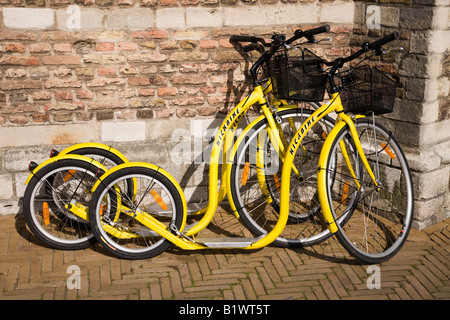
pixel 153 78
pixel 146 76
pixel 421 118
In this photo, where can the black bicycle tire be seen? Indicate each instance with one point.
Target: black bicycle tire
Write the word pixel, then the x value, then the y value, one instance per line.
pixel 340 234
pixel 98 194
pixel 247 221
pixel 27 212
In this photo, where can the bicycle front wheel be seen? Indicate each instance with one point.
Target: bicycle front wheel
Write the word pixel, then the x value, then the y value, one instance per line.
pixel 255 181
pixel 378 219
pixel 154 194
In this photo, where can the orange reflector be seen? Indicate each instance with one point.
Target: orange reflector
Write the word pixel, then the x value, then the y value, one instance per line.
pixel 277 181
pixel 388 151
pixel 245 173
pixel 345 192
pixel 158 199
pixel 45 213
pixel 69 175
pixel 324 135
pixel 103 207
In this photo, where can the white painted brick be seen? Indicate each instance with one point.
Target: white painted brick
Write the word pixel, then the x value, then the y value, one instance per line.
pixel 433 133
pixel 337 13
pixel 204 17
pixel 437 43
pixel 163 129
pixel 423 161
pixel 123 131
pixel 435 65
pixel 47 135
pixel 6 186
pixel 271 15
pixel 443 151
pixel 430 112
pixel 428 185
pixel 440 18
pixel 170 18
pixel 426 209
pixel 431 90
pixel 28 18
pixel 20 183
pixel 443 86
pixel 135 18
pixel 84 19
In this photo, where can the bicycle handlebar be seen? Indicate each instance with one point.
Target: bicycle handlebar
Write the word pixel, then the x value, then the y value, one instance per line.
pixel 378 43
pixel 277 39
pixel 365 47
pixel 276 42
pixel 309 34
pixel 236 38
pixel 375 46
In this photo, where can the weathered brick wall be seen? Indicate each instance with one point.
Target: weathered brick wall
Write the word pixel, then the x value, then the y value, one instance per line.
pixel 153 77
pixel 421 119
pixel 148 77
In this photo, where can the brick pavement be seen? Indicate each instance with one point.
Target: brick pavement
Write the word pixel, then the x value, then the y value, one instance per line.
pixel 29 270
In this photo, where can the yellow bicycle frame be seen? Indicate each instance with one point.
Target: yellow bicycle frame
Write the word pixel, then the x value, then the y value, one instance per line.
pixel 61 157
pixel 182 240
pixel 257 96
pixel 229 137
pixel 96 146
pixel 342 119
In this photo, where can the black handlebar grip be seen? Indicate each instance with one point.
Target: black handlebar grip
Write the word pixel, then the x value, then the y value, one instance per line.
pixel 243 39
pixel 378 43
pixel 250 47
pixel 311 32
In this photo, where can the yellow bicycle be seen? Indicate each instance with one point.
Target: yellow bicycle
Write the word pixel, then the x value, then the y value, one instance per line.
pixel 46 195
pixel 364 182
pixel 355 180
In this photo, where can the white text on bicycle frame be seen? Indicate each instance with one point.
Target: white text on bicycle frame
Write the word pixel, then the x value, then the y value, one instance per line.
pixel 233 118
pixel 300 134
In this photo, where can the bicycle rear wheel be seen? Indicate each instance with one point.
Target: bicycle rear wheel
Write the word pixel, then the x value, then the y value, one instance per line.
pixel 49 193
pixel 255 181
pixel 378 221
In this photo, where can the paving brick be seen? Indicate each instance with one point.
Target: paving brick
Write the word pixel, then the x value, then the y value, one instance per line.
pixel 29 270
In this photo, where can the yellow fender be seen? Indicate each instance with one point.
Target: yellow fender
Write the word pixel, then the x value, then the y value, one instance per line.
pixel 61 157
pixel 152 167
pixel 96 146
pixel 321 177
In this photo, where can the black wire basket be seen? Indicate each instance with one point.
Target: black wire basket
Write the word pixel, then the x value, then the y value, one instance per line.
pixel 366 90
pixel 298 78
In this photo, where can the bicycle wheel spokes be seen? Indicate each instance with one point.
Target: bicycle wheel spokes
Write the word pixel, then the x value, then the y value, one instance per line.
pixel 380 217
pixel 50 198
pixel 256 181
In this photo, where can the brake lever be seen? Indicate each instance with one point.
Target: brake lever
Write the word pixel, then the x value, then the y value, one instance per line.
pixel 325 40
pixel 380 51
